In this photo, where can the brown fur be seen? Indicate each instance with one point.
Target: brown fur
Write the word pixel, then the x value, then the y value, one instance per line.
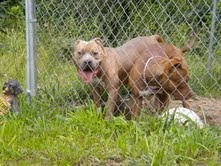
pixel 161 71
pixel 110 65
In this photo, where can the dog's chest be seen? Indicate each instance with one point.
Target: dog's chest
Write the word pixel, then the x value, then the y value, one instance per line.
pixel 150 90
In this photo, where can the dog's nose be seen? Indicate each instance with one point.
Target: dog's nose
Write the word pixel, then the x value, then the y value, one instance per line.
pixel 88 62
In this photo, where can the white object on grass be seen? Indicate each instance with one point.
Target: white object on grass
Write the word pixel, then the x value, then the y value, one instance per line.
pixel 183 116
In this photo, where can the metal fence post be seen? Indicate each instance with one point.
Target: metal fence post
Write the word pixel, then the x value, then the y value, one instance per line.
pixel 31 73
pixel 211 36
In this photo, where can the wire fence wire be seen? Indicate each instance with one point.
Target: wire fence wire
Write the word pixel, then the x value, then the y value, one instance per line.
pixel 61 23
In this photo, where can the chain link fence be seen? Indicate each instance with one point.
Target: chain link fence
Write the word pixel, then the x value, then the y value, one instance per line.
pixel 61 23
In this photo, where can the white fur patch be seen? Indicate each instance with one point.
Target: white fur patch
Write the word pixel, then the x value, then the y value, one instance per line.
pixel 145 93
pixel 150 90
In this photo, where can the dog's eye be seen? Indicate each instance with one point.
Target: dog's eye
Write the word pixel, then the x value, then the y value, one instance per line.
pixel 80 53
pixel 94 53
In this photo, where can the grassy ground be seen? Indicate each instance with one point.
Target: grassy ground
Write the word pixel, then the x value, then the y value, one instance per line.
pixel 50 132
pixel 51 136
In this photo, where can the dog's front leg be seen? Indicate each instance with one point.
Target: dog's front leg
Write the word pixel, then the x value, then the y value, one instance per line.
pixel 112 91
pixel 96 96
pixel 137 104
pixel 163 100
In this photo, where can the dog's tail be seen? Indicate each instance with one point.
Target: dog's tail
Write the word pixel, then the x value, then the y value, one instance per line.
pixel 191 43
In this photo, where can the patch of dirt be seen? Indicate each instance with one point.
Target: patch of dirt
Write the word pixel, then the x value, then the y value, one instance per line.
pixel 209 109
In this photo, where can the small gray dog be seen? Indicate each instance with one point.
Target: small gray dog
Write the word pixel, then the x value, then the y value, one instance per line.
pixel 8 101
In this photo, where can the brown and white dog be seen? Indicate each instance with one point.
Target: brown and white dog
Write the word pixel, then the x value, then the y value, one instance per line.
pixel 160 70
pixel 108 67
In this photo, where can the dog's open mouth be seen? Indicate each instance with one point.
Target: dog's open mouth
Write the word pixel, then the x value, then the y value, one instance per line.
pixel 88 74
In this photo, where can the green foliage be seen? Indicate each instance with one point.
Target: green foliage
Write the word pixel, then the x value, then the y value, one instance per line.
pixel 11 15
pixel 12 55
pixel 117 21
pixel 209 84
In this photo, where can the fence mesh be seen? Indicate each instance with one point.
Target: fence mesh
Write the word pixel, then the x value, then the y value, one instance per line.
pixel 61 23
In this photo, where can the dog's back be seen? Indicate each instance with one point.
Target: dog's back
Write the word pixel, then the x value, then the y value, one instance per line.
pixel 129 52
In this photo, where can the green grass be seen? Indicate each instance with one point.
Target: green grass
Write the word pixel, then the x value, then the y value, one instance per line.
pixel 53 132
pixel 202 82
pixel 51 136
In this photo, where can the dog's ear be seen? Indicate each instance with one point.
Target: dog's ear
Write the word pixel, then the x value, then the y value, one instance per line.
pixel 98 41
pixel 159 38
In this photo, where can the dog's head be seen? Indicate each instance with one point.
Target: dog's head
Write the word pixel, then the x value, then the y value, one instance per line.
pixel 87 58
pixel 179 77
pixel 12 87
pixel 172 75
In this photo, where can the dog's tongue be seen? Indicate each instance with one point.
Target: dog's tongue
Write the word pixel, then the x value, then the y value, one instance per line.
pixel 87 76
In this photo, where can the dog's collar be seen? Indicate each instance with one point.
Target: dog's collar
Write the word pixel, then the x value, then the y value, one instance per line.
pixel 145 67
pixel 144 71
